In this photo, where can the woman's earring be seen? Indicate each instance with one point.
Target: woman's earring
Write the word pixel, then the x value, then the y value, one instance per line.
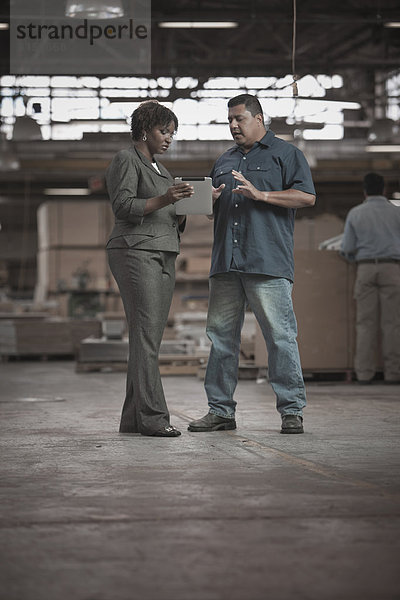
pixel 144 138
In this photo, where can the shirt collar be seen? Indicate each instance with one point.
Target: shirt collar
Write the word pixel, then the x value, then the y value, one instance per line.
pixel 376 199
pixel 266 140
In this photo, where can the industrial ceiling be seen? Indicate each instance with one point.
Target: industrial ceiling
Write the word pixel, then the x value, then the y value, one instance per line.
pixel 351 38
pixel 330 37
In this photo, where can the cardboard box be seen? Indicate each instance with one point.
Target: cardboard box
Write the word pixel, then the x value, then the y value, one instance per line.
pixel 309 233
pixel 325 312
pixel 61 269
pixel 324 307
pixel 72 223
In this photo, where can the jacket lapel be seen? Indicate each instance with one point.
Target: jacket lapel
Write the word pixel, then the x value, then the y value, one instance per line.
pixel 163 171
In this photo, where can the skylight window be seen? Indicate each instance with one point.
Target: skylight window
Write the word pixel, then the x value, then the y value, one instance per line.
pixel 66 107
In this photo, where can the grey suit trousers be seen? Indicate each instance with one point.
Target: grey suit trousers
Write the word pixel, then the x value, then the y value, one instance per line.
pixel 146 281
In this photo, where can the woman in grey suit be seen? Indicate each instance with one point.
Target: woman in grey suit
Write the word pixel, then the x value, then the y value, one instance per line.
pixel 142 250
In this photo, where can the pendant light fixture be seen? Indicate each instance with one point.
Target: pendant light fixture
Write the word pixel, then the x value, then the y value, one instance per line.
pixel 94 9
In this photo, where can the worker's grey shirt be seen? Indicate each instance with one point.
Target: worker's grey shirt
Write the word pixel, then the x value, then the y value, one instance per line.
pixel 372 230
pixel 131 180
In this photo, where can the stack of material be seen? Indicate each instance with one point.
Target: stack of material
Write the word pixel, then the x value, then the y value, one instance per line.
pixel 94 351
pixel 109 350
pixel 176 356
pixel 26 335
pixel 71 257
pixel 6 308
pixel 184 347
pixel 193 265
pixel 114 325
pixel 192 326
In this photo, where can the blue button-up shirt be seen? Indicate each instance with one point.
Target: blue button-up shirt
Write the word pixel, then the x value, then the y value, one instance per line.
pixel 372 230
pixel 252 236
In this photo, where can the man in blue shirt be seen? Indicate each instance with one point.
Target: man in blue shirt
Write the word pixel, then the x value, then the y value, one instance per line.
pixel 259 184
pixel 372 239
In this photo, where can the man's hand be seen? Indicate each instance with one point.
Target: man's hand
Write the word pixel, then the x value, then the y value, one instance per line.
pixel 245 188
pixel 216 192
pixel 290 198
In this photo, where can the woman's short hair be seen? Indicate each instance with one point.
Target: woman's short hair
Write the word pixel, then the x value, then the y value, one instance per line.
pixel 149 114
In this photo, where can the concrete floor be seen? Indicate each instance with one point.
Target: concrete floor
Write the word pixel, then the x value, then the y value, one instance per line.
pixel 88 514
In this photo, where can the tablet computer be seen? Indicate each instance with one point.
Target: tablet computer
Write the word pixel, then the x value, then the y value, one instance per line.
pixel 201 202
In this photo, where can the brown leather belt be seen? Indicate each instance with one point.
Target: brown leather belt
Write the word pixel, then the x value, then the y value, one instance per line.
pixel 378 260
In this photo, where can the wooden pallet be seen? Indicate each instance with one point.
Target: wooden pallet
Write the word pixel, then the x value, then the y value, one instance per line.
pixel 88 367
pixel 45 336
pixel 170 364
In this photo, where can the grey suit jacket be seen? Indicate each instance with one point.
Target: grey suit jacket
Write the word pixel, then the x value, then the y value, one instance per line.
pixel 131 180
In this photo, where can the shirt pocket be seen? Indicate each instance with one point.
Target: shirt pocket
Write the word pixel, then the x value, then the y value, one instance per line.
pixel 223 174
pixel 259 175
pixel 264 177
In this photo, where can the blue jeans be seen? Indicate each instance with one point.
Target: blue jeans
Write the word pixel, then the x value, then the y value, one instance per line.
pixel 270 299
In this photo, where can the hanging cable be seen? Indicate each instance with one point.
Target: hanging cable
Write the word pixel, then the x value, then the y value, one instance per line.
pixel 295 78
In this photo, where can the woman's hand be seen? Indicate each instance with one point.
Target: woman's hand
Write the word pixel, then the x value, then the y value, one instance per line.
pixel 246 188
pixel 178 192
pixel 172 195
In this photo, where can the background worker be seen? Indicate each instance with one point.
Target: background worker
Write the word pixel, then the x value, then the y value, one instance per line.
pixel 372 239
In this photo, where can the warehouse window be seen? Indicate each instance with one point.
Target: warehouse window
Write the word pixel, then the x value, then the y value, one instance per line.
pixel 67 107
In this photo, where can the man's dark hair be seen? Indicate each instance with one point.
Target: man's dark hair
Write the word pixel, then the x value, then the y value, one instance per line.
pixel 148 115
pixel 374 184
pixel 251 103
